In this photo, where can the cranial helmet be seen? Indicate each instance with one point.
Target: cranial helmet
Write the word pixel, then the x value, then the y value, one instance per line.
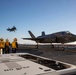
pixel 15 39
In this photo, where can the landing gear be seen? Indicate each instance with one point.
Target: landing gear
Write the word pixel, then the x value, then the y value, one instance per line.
pixel 37 45
pixel 63 47
pixel 52 46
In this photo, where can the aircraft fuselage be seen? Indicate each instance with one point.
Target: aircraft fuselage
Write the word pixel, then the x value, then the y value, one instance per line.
pixel 58 38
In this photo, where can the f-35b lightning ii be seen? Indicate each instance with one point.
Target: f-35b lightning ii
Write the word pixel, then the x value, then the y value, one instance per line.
pixel 12 29
pixel 58 37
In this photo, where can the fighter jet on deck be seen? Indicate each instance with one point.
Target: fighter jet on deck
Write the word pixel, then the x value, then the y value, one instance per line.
pixel 58 37
pixel 12 29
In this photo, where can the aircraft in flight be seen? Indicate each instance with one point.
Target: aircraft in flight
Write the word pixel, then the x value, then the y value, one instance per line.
pixel 58 37
pixel 12 29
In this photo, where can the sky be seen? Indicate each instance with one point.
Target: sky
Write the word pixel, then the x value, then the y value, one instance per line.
pixel 36 15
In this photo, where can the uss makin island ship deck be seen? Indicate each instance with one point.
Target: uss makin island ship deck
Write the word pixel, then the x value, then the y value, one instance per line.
pixel 29 64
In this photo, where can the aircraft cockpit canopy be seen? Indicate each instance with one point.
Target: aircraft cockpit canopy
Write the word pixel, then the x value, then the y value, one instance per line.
pixel 66 32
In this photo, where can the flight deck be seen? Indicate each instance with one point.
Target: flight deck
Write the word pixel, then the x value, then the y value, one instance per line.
pixel 29 64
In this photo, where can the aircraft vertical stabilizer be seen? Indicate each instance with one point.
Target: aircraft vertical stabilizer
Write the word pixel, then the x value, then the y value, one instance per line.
pixel 31 34
pixel 43 33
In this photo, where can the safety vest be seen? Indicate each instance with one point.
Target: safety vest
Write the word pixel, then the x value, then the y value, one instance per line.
pixel 14 45
pixel 7 43
pixel 2 44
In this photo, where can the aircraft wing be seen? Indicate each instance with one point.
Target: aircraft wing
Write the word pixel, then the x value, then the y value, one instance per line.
pixel 35 39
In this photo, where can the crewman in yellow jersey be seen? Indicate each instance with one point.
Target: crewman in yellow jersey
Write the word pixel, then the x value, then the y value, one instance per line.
pixel 7 46
pixel 14 45
pixel 2 45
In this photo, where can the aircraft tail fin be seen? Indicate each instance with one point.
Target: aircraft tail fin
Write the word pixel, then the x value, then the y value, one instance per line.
pixel 31 34
pixel 43 33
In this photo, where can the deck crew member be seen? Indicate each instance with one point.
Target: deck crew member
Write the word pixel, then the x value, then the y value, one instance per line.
pixel 2 45
pixel 7 46
pixel 14 45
